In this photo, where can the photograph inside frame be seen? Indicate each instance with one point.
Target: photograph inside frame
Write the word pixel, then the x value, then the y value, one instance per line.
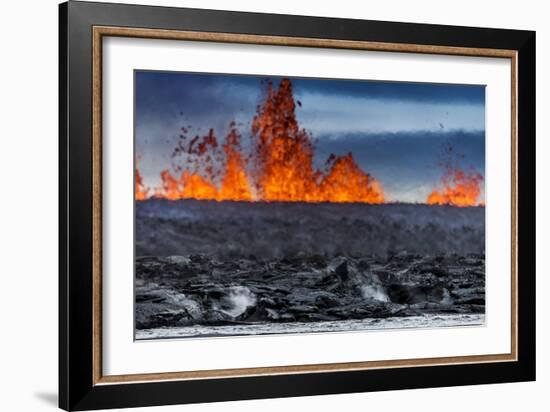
pixel 268 205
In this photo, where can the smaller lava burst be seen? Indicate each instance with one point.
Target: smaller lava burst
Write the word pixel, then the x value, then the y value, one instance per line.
pixel 142 192
pixel 460 188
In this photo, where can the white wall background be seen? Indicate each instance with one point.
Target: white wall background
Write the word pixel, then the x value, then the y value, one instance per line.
pixel 28 210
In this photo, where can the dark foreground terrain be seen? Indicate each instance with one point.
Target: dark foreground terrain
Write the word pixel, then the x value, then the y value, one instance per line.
pixel 207 265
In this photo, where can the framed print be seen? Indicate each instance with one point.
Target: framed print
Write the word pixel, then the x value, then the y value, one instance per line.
pixel 257 206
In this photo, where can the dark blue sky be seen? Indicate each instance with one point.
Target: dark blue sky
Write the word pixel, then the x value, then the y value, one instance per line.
pixel 395 130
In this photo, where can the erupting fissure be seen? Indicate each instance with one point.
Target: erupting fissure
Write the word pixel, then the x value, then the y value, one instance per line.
pixel 279 166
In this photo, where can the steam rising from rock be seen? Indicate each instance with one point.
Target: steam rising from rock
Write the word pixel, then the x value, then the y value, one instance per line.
pixel 238 300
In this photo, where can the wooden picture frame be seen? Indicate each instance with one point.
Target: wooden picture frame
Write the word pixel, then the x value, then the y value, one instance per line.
pixel 82 384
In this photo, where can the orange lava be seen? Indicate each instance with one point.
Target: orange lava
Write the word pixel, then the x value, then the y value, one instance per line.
pixel 235 184
pixel 199 183
pixel 142 192
pixel 283 152
pixel 346 182
pixel 459 189
pixel 281 166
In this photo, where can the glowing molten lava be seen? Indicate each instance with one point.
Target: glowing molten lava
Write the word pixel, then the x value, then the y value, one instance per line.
pixel 234 185
pixel 142 192
pixel 281 168
pixel 284 152
pixel 460 188
pixel 201 155
pixel 346 182
pixel 188 186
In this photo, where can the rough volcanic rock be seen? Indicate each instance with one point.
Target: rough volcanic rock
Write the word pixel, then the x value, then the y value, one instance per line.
pixel 197 289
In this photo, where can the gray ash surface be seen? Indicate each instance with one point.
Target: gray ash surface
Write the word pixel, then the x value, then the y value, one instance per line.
pixel 234 230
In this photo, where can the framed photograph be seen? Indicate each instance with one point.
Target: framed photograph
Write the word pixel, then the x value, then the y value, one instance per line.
pixel 257 206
